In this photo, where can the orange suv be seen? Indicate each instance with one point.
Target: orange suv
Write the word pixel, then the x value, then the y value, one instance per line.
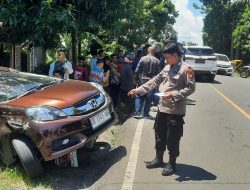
pixel 44 118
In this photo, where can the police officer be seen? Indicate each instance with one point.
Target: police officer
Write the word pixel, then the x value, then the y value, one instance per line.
pixel 175 82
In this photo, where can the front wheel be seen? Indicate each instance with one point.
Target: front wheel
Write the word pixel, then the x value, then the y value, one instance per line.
pixel 27 155
pixel 245 72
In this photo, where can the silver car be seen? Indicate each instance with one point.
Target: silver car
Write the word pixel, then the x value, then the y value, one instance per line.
pixel 224 65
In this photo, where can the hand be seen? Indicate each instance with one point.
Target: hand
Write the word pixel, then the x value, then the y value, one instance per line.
pixel 167 96
pixel 132 93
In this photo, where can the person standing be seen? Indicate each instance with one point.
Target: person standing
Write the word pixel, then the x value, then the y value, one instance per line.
pixel 61 64
pixel 114 84
pixel 93 60
pixel 126 84
pixel 80 70
pixel 97 75
pixel 147 68
pixel 175 82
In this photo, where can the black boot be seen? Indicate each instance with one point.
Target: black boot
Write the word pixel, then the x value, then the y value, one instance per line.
pixel 170 168
pixel 157 162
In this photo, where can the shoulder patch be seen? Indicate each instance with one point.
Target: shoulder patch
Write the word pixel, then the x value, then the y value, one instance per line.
pixel 190 73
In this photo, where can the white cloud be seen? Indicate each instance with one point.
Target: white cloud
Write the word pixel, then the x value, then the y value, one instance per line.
pixel 188 26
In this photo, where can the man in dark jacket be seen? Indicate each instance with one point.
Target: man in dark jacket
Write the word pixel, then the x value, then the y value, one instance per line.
pixel 147 68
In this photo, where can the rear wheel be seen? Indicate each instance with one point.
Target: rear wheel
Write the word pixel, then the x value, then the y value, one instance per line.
pixel 28 157
pixel 210 78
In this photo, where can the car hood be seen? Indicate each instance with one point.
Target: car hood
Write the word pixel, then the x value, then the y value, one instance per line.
pixel 225 63
pixel 61 95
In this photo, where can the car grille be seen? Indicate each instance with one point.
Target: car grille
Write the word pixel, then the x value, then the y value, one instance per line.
pixel 86 106
pixel 223 66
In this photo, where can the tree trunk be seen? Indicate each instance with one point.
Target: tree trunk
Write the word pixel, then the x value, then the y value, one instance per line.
pixel 73 41
pixel 43 60
pixel 232 41
pixel 79 46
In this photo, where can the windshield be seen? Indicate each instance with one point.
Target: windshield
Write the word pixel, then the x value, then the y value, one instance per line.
pixel 199 52
pixel 222 58
pixel 14 84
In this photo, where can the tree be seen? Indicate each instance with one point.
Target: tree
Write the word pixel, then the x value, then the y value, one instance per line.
pixel 40 23
pixel 220 22
pixel 241 33
pixel 217 25
pixel 126 22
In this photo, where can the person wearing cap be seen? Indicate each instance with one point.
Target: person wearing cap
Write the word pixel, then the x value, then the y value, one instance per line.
pixel 175 82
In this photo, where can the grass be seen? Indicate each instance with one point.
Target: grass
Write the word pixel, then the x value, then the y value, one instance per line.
pixel 14 177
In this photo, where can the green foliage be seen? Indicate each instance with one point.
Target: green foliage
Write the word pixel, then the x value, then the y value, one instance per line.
pixel 40 23
pixel 226 19
pixel 111 23
pixel 241 33
pixel 217 25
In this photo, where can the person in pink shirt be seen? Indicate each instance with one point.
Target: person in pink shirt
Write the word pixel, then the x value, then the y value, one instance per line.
pixel 80 70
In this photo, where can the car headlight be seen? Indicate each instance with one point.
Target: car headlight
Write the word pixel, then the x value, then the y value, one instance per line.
pixel 99 87
pixel 45 113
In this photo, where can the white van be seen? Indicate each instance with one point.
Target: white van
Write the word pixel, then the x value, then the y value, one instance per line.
pixel 203 61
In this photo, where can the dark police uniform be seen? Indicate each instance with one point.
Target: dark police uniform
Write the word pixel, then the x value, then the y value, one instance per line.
pixel 179 81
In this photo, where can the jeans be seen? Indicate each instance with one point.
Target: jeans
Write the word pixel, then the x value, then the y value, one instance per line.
pixel 143 103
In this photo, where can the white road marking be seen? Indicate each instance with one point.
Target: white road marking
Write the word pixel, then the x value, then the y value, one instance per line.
pixel 132 162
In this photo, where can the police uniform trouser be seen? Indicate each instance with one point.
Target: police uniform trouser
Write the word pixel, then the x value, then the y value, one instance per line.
pixel 168 132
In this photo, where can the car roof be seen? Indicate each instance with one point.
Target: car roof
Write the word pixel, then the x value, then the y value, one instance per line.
pixel 198 47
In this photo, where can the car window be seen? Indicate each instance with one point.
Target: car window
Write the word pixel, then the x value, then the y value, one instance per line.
pixel 13 84
pixel 222 58
pixel 199 52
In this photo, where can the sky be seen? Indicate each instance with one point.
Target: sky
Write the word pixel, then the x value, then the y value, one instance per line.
pixel 189 23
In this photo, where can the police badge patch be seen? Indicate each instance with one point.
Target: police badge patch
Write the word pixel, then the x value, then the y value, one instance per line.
pixel 190 73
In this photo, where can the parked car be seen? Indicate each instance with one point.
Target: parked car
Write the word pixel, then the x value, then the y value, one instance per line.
pixel 202 60
pixel 44 118
pixel 224 64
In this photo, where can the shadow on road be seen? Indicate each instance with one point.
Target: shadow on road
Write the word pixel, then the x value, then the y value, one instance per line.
pixel 193 173
pixel 190 102
pixel 203 79
pixel 112 158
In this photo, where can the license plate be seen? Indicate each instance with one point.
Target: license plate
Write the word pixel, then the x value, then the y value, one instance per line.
pixel 200 61
pixel 100 118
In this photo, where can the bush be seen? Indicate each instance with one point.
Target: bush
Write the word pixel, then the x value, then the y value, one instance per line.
pixel 42 69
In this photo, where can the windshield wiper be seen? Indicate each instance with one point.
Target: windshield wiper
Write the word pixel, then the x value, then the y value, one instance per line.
pixel 37 88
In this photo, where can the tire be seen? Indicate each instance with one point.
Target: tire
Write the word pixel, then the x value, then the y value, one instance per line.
pixel 99 150
pixel 28 157
pixel 210 78
pixel 244 73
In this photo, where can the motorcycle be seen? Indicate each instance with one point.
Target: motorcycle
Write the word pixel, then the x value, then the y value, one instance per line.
pixel 245 72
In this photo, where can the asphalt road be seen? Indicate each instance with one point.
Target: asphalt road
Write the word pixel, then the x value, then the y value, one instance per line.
pixel 215 148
